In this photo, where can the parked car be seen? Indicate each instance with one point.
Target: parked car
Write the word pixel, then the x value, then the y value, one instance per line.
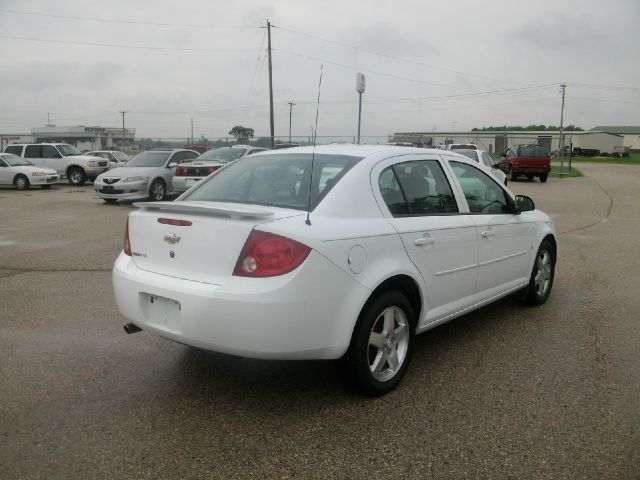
pixel 115 157
pixel 530 160
pixel 483 158
pixel 462 146
pixel 190 173
pixel 342 252
pixel 148 175
pixel 65 159
pixel 15 170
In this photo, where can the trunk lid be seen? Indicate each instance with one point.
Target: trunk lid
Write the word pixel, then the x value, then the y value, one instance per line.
pixel 206 250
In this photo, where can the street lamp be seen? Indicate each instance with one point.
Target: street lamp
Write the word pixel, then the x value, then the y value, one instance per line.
pixel 360 90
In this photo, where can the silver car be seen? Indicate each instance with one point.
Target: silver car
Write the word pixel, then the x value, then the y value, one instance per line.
pixel 115 157
pixel 148 175
pixel 189 174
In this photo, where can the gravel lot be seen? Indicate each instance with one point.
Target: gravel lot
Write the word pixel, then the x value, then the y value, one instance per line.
pixel 504 392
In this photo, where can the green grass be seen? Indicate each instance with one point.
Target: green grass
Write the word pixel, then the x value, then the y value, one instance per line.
pixel 556 172
pixel 634 159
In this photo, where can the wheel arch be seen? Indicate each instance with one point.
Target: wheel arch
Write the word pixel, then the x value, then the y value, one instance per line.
pixel 554 245
pixel 74 165
pixel 402 283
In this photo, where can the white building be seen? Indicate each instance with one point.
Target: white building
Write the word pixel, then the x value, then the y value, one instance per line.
pixel 86 138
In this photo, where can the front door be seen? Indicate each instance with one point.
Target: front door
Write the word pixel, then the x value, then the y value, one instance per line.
pixel 440 241
pixel 504 238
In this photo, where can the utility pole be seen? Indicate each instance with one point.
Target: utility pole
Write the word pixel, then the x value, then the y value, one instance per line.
pixel 123 112
pixel 191 129
pixel 561 139
pixel 48 121
pixel 270 84
pixel 291 104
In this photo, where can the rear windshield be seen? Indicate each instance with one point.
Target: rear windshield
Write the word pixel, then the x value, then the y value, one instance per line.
pixel 223 154
pixel 280 180
pixel 472 154
pixel 532 151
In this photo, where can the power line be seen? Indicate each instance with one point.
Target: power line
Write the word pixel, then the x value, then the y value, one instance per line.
pixel 605 87
pixel 128 22
pixel 111 45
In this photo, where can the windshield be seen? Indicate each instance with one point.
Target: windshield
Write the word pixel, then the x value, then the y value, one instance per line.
pixel 223 154
pixel 123 157
pixel 280 180
pixel 532 151
pixel 68 150
pixel 149 159
pixel 15 161
pixel 472 154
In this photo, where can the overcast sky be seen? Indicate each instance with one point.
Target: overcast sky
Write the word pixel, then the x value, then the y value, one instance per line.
pixel 428 65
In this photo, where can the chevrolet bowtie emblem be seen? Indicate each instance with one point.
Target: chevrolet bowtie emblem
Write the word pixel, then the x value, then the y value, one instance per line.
pixel 171 238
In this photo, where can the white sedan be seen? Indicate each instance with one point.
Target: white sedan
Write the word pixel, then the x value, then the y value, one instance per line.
pixel 15 170
pixel 346 252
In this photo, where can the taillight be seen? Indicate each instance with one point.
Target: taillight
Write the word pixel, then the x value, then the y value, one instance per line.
pixel 268 255
pixel 127 242
pixel 181 171
pixel 174 222
pixel 212 169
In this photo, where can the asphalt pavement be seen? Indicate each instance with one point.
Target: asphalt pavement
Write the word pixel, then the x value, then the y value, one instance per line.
pixel 504 392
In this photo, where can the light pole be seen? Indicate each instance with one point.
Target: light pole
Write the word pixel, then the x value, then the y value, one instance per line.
pixel 360 90
pixel 291 104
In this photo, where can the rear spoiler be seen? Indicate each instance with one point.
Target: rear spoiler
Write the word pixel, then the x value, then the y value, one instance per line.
pixel 232 210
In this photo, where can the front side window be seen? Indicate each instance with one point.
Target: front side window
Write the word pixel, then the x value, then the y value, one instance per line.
pixel 483 194
pixel 280 180
pixel 417 188
pixel 49 151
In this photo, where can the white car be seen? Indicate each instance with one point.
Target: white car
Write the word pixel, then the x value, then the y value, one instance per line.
pixel 188 174
pixel 115 157
pixel 345 252
pixel 17 171
pixel 483 158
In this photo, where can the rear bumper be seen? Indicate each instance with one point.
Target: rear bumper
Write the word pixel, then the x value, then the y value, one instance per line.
pixel 531 169
pixel 306 314
pixel 182 184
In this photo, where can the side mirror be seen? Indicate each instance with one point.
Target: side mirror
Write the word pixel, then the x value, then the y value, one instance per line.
pixel 524 204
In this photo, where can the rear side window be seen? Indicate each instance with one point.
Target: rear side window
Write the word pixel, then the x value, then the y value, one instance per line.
pixel 33 151
pixel 15 149
pixel 49 151
pixel 417 188
pixel 280 180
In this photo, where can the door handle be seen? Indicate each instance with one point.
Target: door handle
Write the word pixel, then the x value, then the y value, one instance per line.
pixel 488 233
pixel 419 242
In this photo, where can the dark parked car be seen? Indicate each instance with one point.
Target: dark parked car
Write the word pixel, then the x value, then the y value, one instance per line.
pixel 529 160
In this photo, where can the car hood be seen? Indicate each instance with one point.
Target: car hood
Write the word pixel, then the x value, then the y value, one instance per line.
pixel 29 169
pixel 124 172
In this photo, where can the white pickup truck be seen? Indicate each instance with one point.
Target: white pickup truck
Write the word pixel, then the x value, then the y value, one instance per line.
pixel 65 159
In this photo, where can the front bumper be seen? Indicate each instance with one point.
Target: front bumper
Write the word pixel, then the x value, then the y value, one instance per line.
pixel 121 190
pixel 307 314
pixel 43 180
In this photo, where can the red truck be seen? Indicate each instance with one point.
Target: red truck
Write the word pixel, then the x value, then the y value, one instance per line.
pixel 529 160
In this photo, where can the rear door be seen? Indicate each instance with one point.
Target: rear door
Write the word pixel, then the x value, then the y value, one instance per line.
pixel 52 158
pixel 440 241
pixel 33 153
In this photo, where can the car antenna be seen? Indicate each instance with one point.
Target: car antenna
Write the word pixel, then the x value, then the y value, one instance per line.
pixel 313 152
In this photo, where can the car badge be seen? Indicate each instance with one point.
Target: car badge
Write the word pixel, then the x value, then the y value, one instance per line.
pixel 171 238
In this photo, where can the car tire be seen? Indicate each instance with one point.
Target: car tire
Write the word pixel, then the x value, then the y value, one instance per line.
pixel 158 191
pixel 542 275
pixel 110 201
pixel 76 176
pixel 21 182
pixel 381 344
pixel 44 187
pixel 543 178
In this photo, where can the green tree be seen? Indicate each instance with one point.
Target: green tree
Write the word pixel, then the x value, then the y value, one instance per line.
pixel 241 132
